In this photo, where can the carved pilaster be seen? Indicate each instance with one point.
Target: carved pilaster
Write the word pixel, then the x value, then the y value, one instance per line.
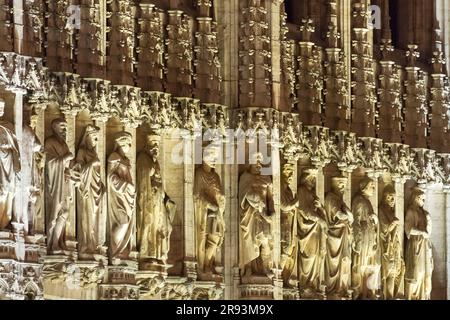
pixel 60 36
pixel 439 105
pixel 363 77
pixel 255 57
pixel 6 25
pixel 310 77
pixel 288 66
pixel 33 31
pixel 390 104
pixel 208 76
pixel 179 54
pixel 150 48
pixel 91 49
pixel 121 41
pixel 416 110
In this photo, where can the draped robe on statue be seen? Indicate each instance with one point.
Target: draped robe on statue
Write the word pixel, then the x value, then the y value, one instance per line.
pixel 365 269
pixel 312 240
pixel 121 202
pixel 32 177
pixel 208 202
pixel 289 226
pixel 392 264
pixel 57 193
pixel 256 225
pixel 338 258
pixel 9 167
pixel 90 200
pixel 156 211
pixel 418 254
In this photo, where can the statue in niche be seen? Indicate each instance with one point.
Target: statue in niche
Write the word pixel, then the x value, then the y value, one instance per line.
pixel 156 210
pixel 289 221
pixel 32 171
pixel 339 242
pixel 392 264
pixel 366 265
pixel 121 198
pixel 418 254
pixel 209 209
pixel 59 181
pixel 312 235
pixel 256 210
pixel 9 170
pixel 91 194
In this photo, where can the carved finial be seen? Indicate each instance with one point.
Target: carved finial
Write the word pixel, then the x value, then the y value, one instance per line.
pixel 333 36
pixel 386 48
pixel 306 29
pixel 412 54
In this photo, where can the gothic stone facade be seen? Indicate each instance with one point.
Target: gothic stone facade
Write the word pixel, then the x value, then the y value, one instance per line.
pixel 355 202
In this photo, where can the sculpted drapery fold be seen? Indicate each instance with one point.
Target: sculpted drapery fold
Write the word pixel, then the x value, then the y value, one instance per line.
pixel 121 199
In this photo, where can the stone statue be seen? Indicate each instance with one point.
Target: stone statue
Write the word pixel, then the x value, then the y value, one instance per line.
pixel 59 179
pixel 32 172
pixel 392 264
pixel 209 209
pixel 121 198
pixel 9 170
pixel 91 194
pixel 312 235
pixel 289 221
pixel 418 254
pixel 256 210
pixel 339 251
pixel 366 266
pixel 156 210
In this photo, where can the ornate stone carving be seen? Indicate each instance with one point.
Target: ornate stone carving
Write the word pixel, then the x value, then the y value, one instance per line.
pixel 91 195
pixel 209 202
pixel 339 245
pixel 156 209
pixel 10 169
pixel 418 252
pixel 121 199
pixel 365 267
pixel 59 179
pixel 312 233
pixel 256 210
pixel 392 264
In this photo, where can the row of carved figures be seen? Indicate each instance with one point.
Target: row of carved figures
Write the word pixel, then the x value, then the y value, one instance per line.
pixel 329 248
pixel 326 247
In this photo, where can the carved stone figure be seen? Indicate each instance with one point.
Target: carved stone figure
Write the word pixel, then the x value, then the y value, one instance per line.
pixel 366 267
pixel 392 264
pixel 312 235
pixel 58 183
pixel 121 198
pixel 156 210
pixel 209 210
pixel 418 253
pixel 256 210
pixel 91 194
pixel 289 222
pixel 9 170
pixel 338 258
pixel 32 173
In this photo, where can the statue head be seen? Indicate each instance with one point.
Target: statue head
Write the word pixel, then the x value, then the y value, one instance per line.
pixel 123 141
pixel 367 187
pixel 59 127
pixel 288 173
pixel 308 178
pixel 256 163
pixel 339 183
pixel 418 197
pixel 389 196
pixel 211 155
pixel 90 137
pixel 153 142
